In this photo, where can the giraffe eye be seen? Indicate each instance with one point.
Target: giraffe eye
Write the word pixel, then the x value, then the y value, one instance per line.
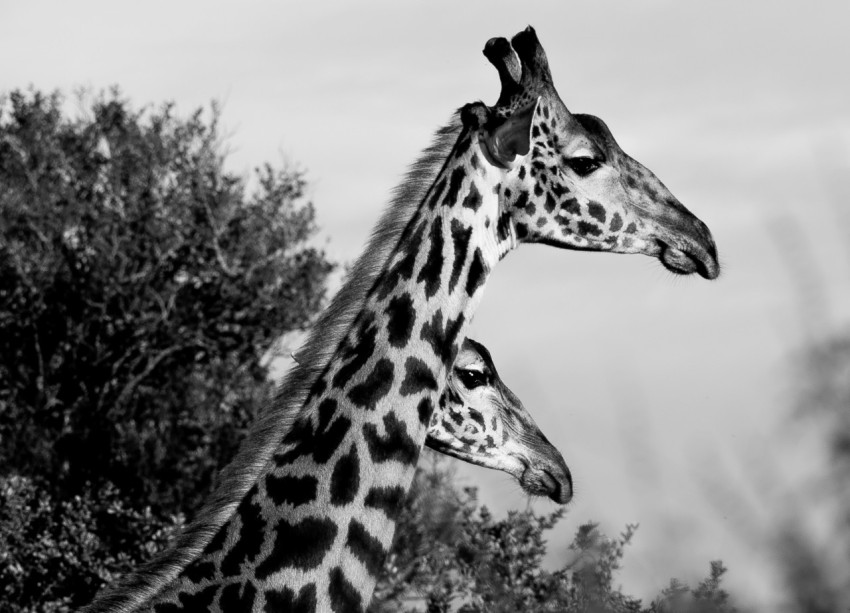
pixel 471 378
pixel 583 166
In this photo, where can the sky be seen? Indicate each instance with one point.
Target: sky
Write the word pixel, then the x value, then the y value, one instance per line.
pixel 669 397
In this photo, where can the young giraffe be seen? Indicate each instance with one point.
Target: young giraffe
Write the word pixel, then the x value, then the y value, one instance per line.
pixel 525 170
pixel 478 419
pixel 481 421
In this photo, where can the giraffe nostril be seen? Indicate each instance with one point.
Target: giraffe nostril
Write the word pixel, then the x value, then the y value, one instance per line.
pixel 558 487
pixel 549 483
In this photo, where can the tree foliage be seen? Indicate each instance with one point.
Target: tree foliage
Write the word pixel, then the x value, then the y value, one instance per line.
pixel 452 555
pixel 141 285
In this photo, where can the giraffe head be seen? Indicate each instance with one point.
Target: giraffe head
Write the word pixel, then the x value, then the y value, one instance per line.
pixel 565 180
pixel 481 421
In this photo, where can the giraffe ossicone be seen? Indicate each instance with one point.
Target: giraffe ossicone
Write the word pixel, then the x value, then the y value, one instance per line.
pixel 572 185
pixel 304 516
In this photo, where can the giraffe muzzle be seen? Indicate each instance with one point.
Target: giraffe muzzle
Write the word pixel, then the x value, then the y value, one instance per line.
pixel 554 482
pixel 686 254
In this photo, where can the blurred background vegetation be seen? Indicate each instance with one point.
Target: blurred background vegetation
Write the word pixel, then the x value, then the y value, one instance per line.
pixel 142 291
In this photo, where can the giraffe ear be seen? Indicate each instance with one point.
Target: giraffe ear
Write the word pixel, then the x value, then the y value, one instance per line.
pixel 512 137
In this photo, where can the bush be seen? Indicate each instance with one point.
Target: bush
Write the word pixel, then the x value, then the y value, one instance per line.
pixel 141 285
pixel 54 554
pixel 452 554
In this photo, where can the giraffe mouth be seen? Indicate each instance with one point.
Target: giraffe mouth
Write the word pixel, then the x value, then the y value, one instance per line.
pixel 689 259
pixel 554 483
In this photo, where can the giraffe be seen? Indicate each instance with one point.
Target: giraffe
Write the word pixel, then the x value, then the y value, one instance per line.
pixel 303 517
pixel 478 419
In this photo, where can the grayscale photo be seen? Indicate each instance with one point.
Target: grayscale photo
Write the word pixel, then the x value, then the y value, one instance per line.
pixel 445 307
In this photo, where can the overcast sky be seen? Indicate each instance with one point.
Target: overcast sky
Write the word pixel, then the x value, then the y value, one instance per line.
pixel 669 397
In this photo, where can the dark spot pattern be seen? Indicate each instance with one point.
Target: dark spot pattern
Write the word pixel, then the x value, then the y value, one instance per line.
pixel 251 535
pixel 425 409
pixel 631 228
pixel 198 602
pixel 433 266
pixel 521 201
pixel 460 240
pixel 197 571
pixel 437 192
pixel 396 444
pixel 365 547
pixel 521 230
pixel 473 198
pixel 326 443
pixel 300 430
pixel 457 417
pixel 571 206
pixel 455 181
pixel 217 541
pixel 475 415
pixel 475 276
pixel 587 228
pixel 356 354
pixel 616 222
pixel 318 388
pixel 327 409
pixel 400 319
pixel 302 546
pixel 442 338
pixel 597 211
pixel 237 598
pixel 367 394
pixel 278 601
pixel 403 268
pixel 345 479
pixel 344 597
pixel 291 490
pixel 418 377
pixel 503 226
pixel 387 499
pixel 321 445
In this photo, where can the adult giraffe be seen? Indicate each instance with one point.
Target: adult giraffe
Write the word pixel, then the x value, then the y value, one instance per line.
pixel 525 170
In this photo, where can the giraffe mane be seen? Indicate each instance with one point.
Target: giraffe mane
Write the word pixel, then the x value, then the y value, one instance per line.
pixel 278 417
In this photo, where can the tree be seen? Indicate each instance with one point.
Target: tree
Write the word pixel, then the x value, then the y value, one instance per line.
pixel 141 285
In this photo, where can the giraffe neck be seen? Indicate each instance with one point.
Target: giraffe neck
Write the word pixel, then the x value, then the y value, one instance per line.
pixel 314 523
pixel 356 457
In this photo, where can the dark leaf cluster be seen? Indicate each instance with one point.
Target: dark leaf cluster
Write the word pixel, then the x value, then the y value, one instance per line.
pixel 452 555
pixel 141 287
